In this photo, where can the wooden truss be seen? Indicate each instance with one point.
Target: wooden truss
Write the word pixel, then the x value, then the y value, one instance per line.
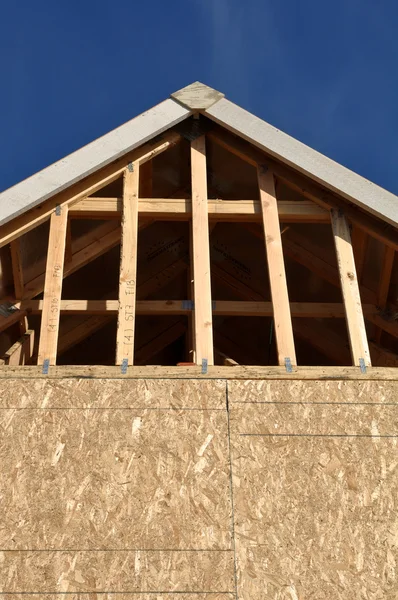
pixel 65 256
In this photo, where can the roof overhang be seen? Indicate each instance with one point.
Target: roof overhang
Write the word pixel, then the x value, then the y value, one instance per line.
pixel 197 97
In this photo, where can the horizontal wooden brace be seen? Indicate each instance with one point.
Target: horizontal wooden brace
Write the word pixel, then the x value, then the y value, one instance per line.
pixel 195 372
pixel 290 211
pixel 319 310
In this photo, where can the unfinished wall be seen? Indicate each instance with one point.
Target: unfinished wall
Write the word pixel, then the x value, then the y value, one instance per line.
pixel 122 489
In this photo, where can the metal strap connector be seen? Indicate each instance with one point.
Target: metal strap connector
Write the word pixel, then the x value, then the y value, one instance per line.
pixel 362 365
pixel 188 304
pixel 58 210
pixel 124 365
pixel 204 366
pixel 130 167
pixel 288 365
pixel 46 365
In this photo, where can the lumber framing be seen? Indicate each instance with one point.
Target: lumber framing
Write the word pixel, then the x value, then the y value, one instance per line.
pixel 350 289
pixel 53 287
pixel 174 209
pixel 201 254
pixel 21 352
pixel 309 189
pixel 195 372
pixel 276 268
pixel 87 187
pixel 128 268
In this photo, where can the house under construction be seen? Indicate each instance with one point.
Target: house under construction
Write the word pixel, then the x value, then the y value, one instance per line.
pixel 198 368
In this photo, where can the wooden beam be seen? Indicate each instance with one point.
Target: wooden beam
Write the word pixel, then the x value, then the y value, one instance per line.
pixel 306 186
pixel 17 271
pixel 128 268
pixel 201 254
pixel 349 286
pixel 31 219
pixel 53 287
pixel 21 352
pixel 276 268
pixel 384 283
pixel 195 372
pixel 290 211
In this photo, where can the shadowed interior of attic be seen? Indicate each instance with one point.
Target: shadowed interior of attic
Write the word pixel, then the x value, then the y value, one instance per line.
pixel 247 269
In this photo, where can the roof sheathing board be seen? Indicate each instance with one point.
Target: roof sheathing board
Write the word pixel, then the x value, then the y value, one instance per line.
pixel 80 164
pixel 309 162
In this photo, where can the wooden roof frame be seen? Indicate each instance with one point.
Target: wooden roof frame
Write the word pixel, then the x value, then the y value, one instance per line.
pixel 78 180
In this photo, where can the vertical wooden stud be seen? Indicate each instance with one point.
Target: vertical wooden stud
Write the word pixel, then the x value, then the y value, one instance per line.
pixel 201 255
pixel 350 289
pixel 53 287
pixel 128 268
pixel 276 268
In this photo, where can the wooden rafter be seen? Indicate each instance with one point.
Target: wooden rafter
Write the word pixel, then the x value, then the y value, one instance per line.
pixel 201 254
pixel 17 271
pixel 350 289
pixel 87 187
pixel 276 268
pixel 305 186
pixel 128 268
pixel 53 287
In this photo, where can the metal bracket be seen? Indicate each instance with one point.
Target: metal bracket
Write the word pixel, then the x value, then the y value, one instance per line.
pixel 188 305
pixel 288 365
pixel 58 210
pixel 204 366
pixel 263 169
pixel 362 365
pixel 130 167
pixel 7 309
pixel 124 365
pixel 213 305
pixel 46 365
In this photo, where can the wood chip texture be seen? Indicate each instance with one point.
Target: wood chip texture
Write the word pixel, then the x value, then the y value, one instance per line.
pixel 198 489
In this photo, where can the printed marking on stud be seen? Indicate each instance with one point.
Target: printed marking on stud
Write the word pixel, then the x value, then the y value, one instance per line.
pixel 46 365
pixel 124 366
pixel 130 167
pixel 204 366
pixel 362 365
pixel 288 365
pixel 188 305
pixel 58 210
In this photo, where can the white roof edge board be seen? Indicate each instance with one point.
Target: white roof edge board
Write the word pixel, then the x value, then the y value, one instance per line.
pixel 97 154
pixel 309 162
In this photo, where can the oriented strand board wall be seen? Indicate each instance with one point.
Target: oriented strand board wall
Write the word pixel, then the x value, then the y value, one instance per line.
pixel 188 490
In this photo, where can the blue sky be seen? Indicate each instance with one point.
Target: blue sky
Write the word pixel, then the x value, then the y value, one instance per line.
pixel 325 72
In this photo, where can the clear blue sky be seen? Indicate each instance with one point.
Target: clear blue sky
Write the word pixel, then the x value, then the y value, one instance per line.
pixel 326 72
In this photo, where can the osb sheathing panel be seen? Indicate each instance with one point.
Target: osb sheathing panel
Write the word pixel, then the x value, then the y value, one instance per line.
pixel 315 489
pixel 314 482
pixel 111 393
pixel 115 486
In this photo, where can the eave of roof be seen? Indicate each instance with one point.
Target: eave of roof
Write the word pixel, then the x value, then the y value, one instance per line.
pixel 197 97
pixel 80 164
